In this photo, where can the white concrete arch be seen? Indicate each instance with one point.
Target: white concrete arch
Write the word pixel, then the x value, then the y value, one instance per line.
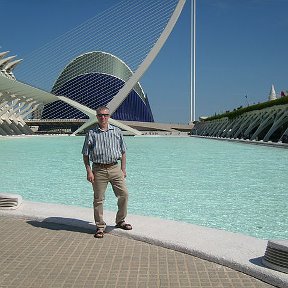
pixel 252 125
pixel 125 90
pixel 123 93
pixel 244 125
pixel 281 118
pixel 264 123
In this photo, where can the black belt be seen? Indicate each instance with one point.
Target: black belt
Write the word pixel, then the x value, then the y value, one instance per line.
pixel 102 165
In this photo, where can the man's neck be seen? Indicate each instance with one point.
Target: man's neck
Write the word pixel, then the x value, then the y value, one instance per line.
pixel 103 127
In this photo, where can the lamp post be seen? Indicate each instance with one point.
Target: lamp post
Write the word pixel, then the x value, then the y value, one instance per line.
pixel 247 99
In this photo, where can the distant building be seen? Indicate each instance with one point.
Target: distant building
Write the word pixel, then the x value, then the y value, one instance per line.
pixel 93 79
pixel 284 94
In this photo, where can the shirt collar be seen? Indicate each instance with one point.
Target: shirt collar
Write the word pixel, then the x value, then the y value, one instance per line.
pixel 110 127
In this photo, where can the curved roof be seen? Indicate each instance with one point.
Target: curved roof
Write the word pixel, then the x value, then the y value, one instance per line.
pixel 93 79
pixel 97 62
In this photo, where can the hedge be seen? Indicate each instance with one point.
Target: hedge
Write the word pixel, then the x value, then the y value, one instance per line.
pixel 240 111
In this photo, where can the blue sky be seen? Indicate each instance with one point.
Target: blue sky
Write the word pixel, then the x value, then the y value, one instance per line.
pixel 241 50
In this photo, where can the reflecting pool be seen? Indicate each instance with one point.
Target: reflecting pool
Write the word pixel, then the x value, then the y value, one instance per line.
pixel 230 186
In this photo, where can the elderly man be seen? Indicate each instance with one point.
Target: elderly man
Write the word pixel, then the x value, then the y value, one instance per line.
pixel 104 146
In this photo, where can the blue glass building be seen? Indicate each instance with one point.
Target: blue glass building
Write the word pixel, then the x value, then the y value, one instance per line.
pixel 93 79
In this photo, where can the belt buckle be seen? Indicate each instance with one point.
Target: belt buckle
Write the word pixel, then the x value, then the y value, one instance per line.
pixel 102 165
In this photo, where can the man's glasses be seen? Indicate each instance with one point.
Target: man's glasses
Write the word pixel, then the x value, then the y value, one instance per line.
pixel 102 115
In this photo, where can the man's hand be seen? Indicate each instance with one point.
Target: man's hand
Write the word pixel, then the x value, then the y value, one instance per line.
pixel 90 176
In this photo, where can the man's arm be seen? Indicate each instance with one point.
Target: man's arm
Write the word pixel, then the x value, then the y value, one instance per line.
pixel 90 175
pixel 123 164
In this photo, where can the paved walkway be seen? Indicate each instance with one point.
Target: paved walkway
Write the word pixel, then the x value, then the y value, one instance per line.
pixel 40 254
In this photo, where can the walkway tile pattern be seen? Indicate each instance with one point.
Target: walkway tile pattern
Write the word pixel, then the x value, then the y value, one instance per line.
pixel 40 254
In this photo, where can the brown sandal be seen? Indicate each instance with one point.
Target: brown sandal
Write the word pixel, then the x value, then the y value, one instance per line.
pixel 123 225
pixel 99 234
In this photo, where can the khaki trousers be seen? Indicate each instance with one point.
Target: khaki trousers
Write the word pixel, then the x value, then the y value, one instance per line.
pixel 114 176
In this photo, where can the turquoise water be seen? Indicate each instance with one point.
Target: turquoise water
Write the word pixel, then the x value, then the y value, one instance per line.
pixel 230 186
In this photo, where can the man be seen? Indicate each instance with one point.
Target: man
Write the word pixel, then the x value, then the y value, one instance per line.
pixel 104 146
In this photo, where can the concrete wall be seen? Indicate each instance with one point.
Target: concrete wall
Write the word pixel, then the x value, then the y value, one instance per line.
pixel 269 124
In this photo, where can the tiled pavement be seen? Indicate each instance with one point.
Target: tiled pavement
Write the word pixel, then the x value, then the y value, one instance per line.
pixel 40 254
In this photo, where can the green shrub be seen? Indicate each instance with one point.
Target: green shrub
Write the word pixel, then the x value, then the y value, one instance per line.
pixel 239 111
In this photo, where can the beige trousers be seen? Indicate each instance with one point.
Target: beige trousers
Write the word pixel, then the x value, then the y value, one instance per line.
pixel 114 176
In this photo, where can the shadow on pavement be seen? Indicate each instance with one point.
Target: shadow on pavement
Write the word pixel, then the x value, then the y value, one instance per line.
pixel 68 224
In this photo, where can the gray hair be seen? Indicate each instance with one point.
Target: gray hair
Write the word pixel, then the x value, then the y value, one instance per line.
pixel 101 108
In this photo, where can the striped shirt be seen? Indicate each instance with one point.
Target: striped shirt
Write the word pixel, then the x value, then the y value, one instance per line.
pixel 104 146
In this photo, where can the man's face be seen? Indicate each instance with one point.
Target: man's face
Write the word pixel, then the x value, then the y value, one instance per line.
pixel 103 116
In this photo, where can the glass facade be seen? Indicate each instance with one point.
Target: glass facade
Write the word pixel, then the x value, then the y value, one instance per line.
pixel 94 89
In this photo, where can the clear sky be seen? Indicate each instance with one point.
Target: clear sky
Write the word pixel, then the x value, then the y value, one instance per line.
pixel 241 50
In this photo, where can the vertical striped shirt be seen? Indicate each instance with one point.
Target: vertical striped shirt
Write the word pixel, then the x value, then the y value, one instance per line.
pixel 104 146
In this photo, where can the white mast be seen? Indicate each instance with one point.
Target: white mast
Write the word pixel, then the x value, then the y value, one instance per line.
pixel 193 61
